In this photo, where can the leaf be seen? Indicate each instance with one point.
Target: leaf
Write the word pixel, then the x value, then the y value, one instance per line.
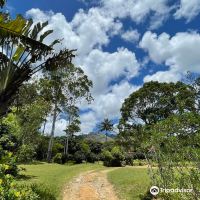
pixel 45 34
pixel 18 53
pixel 2 2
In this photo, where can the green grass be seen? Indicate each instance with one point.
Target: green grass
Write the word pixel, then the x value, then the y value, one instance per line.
pixel 130 182
pixel 54 176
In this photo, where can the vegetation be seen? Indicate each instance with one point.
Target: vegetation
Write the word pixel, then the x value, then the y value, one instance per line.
pixel 161 120
pixel 53 176
pixel 106 126
pixel 159 124
pixel 130 183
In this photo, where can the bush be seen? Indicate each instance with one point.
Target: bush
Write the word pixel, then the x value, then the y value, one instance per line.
pixel 43 192
pixel 79 157
pixel 58 158
pixel 107 158
pixel 92 157
pixel 115 158
pixel 146 196
pixel 118 157
pixel 129 159
pixel 26 154
pixel 139 162
pixel 138 155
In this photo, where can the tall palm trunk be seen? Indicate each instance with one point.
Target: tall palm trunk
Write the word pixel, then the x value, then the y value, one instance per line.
pixel 49 154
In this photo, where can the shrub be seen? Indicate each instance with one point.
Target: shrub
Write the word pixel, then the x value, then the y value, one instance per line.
pixel 92 157
pixel 129 159
pixel 139 162
pixel 146 196
pixel 43 192
pixel 107 158
pixel 115 158
pixel 26 154
pixel 138 155
pixel 58 158
pixel 118 157
pixel 79 157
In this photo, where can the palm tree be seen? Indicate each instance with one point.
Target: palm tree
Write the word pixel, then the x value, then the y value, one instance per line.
pixel 106 126
pixel 23 54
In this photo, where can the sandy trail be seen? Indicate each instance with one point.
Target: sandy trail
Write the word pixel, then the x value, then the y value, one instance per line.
pixel 92 185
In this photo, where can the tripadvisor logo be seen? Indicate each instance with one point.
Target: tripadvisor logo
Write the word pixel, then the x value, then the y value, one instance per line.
pixel 154 190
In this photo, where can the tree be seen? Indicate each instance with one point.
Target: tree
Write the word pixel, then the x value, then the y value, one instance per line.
pixel 176 147
pixel 106 126
pixel 64 87
pixel 73 125
pixel 31 112
pixel 150 104
pixel 156 101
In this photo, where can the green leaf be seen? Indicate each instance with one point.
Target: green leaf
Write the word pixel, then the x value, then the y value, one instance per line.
pixel 18 53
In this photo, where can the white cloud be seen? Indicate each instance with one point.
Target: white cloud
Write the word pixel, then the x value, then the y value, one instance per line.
pixel 164 76
pixel 188 9
pixel 131 36
pixel 106 105
pixel 59 128
pixel 104 67
pixel 89 32
pixel 88 121
pixel 180 53
pixel 138 10
pixel 85 32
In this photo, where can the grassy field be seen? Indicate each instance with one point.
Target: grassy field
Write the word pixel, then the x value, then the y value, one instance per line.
pixel 54 176
pixel 129 182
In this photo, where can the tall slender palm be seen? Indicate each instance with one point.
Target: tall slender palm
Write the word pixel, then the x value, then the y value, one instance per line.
pixel 106 126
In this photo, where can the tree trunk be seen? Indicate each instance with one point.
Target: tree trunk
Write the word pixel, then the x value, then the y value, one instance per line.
pixel 106 136
pixel 45 122
pixel 66 147
pixel 52 134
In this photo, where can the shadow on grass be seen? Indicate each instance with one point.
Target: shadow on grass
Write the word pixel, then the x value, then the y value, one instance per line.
pixel 33 163
pixel 23 177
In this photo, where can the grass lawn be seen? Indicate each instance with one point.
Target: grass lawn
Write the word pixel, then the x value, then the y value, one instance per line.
pixel 129 182
pixel 54 176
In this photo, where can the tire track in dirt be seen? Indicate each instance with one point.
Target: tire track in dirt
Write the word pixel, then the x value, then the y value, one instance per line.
pixel 92 185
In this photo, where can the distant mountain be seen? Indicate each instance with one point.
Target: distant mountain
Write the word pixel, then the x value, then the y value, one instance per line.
pixel 99 137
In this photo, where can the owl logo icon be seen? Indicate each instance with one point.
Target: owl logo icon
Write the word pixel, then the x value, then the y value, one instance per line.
pixel 154 190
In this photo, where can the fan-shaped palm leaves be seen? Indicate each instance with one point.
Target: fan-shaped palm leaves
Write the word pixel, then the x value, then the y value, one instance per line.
pixel 2 2
pixel 106 126
pixel 23 53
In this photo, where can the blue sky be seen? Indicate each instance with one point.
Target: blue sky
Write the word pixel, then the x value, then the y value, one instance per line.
pixel 121 44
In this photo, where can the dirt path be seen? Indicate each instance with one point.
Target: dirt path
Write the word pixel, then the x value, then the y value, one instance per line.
pixel 92 185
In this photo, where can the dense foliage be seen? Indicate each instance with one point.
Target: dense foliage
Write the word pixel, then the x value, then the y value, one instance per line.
pixel 161 120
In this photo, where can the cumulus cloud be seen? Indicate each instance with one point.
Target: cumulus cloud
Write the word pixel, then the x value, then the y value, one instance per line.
pixel 138 10
pixel 59 128
pixel 164 76
pixel 179 52
pixel 104 67
pixel 88 32
pixel 188 9
pixel 131 36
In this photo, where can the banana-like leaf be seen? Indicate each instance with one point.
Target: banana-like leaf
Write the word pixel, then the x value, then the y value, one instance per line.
pixel 2 2
pixel 45 34
pixel 18 53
